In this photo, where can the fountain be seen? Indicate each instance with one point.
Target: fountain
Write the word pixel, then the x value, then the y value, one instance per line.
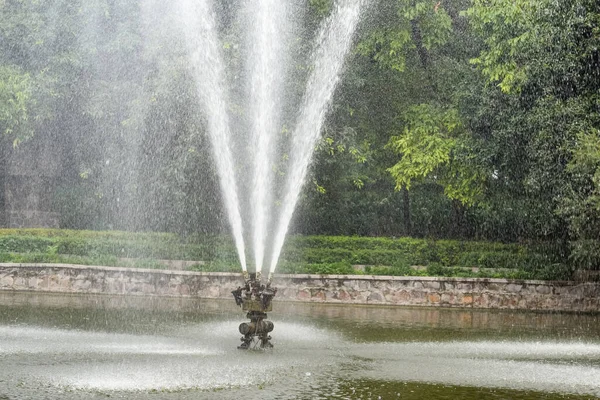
pixel 74 346
pixel 256 299
pixel 332 44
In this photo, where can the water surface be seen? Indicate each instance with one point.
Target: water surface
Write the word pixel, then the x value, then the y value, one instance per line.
pixel 92 347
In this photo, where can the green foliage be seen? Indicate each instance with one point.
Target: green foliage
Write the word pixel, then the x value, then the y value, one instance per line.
pixel 392 44
pixel 544 57
pixel 115 244
pixel 509 28
pixel 387 48
pixel 335 268
pixel 15 99
pixel 434 22
pixel 486 259
pixel 425 145
pixel 585 254
pixel 582 209
pixel 216 266
pixel 321 7
pixel 435 269
pixel 428 147
pixel 399 269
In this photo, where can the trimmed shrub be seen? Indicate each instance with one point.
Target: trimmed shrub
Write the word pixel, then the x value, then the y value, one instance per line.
pixel 301 254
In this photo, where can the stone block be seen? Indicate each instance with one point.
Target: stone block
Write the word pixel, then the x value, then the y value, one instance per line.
pixel 363 285
pixel 331 295
pixel 467 299
pixel 375 297
pixel 494 287
pixel 303 294
pixel 418 297
pixel 447 298
pixel 19 283
pixel 509 302
pixel 432 285
pixel 45 282
pixel 344 296
pixel 576 291
pixel 401 297
pixel 543 289
pixel 433 298
pixel 591 290
pixel 210 291
pixel 148 288
pixel 7 282
pixel 514 287
pixel 32 283
pixel 317 295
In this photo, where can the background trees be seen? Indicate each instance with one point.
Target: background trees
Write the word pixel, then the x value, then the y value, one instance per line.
pixel 457 118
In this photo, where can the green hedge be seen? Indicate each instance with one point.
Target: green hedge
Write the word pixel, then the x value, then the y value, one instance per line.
pixel 387 251
pixel 135 247
pixel 301 254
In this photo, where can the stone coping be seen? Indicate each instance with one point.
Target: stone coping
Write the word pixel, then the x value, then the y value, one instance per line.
pixel 292 276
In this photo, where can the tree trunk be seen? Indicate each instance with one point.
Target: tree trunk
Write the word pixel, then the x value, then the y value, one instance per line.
pixel 406 212
pixel 418 39
pixel 457 219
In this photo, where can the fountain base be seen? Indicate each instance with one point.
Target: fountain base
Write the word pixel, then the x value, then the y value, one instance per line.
pixel 256 333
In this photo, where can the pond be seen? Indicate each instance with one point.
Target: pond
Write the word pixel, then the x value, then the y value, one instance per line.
pixel 95 347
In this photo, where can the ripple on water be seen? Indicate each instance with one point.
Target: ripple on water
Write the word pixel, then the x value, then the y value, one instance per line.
pixel 32 340
pixel 307 362
pixel 568 367
pixel 121 362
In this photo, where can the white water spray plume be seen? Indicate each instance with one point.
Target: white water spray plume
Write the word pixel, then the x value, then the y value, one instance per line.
pixel 198 23
pixel 333 43
pixel 268 19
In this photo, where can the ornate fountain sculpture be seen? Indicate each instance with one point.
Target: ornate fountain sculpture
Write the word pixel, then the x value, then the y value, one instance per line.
pixel 255 298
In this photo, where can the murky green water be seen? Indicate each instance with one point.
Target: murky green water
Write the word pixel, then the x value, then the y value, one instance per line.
pixel 97 347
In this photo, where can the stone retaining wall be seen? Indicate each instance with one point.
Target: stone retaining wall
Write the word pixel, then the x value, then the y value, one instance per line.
pixel 350 289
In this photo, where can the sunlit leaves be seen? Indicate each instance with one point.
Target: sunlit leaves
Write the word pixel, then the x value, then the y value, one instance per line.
pixel 389 45
pixel 424 145
pixel 427 147
pixel 509 28
pixel 388 48
pixel 586 155
pixel 15 102
pixel 584 167
pixel 434 23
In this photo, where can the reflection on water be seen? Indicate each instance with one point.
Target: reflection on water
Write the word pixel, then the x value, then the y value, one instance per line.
pixel 91 347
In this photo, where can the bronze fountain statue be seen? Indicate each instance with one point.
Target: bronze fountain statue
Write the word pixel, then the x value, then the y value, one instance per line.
pixel 256 299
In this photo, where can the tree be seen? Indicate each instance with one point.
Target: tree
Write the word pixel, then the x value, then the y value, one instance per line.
pixel 543 56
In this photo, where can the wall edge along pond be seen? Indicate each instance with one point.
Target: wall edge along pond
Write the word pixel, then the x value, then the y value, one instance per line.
pixel 343 289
